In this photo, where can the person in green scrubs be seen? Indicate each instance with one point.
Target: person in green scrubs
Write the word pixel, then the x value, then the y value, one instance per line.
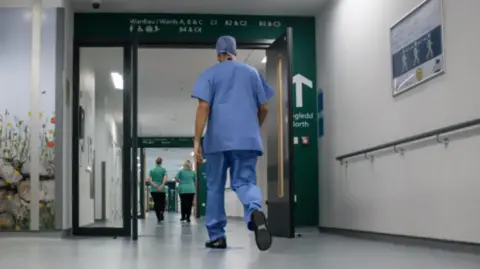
pixel 157 179
pixel 186 188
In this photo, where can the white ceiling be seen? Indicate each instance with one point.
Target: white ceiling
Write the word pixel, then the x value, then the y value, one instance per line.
pixel 251 7
pixel 165 81
pixel 173 159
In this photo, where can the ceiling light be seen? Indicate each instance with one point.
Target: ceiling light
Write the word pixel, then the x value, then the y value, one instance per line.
pixel 264 60
pixel 117 80
pixel 193 153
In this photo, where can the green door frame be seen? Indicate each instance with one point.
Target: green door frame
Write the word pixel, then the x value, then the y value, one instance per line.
pixel 194 30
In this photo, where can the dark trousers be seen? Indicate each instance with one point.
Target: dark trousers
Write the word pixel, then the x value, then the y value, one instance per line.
pixel 159 204
pixel 186 201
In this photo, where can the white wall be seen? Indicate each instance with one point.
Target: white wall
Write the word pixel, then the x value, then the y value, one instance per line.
pixel 102 143
pixel 431 191
pixel 87 101
pixel 113 174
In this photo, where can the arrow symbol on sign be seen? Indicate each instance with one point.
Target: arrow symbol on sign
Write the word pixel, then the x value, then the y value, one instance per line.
pixel 299 80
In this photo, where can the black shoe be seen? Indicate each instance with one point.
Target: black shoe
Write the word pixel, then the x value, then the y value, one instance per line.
pixel 220 243
pixel 188 220
pixel 183 219
pixel 262 236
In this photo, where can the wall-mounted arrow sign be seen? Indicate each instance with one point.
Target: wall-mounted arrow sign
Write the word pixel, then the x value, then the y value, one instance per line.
pixel 299 80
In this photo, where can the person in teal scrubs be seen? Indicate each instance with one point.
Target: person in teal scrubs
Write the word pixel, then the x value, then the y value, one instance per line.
pixel 157 179
pixel 186 188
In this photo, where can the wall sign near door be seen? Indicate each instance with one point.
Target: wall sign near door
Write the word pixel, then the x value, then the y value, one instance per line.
pixel 417 46
pixel 299 80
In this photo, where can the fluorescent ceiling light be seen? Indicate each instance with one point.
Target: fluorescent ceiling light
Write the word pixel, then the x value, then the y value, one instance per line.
pixel 117 80
pixel 264 60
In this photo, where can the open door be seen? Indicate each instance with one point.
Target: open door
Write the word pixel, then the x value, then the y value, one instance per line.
pixel 279 143
pixel 201 197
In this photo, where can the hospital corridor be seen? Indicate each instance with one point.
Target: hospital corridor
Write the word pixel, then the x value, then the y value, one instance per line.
pixel 331 134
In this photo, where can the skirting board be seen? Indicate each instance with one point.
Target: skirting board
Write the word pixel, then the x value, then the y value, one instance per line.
pixel 67 233
pixel 32 234
pixel 453 246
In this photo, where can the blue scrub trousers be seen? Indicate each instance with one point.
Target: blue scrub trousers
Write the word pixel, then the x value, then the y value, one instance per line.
pixel 243 180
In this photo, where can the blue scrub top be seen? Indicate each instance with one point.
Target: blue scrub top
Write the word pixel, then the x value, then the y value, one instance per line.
pixel 234 91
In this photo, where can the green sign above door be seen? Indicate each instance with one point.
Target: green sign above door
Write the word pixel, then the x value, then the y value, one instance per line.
pixel 187 27
pixel 205 29
pixel 165 142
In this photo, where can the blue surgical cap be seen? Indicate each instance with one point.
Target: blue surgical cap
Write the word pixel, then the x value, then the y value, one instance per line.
pixel 226 44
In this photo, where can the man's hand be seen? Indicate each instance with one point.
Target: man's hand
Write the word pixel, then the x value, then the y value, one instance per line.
pixel 198 154
pixel 203 110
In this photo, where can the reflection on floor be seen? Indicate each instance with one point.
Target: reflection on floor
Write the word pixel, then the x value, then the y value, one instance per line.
pixel 175 245
pixel 105 224
pixel 171 227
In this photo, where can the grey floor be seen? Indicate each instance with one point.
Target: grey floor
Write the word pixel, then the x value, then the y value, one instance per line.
pixel 175 245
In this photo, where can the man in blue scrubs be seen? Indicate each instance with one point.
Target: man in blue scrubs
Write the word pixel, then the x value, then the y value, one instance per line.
pixel 233 97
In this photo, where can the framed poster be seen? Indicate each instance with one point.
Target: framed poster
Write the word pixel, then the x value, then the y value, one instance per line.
pixel 417 48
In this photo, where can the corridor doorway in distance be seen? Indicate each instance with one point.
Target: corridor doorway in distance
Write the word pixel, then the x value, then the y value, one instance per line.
pixel 173 160
pixel 166 109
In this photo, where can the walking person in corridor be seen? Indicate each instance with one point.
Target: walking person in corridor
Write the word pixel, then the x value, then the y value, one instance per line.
pixel 186 189
pixel 232 98
pixel 157 178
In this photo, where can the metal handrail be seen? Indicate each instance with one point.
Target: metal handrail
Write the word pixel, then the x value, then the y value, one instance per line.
pixel 409 139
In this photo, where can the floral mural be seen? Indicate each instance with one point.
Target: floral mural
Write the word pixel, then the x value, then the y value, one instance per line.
pixel 15 157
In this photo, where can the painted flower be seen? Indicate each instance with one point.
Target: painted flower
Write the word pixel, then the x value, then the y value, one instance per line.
pixel 9 124
pixel 29 114
pixel 50 144
pixel 51 131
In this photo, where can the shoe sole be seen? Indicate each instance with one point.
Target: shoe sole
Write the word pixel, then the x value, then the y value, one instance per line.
pixel 216 247
pixel 222 247
pixel 263 238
